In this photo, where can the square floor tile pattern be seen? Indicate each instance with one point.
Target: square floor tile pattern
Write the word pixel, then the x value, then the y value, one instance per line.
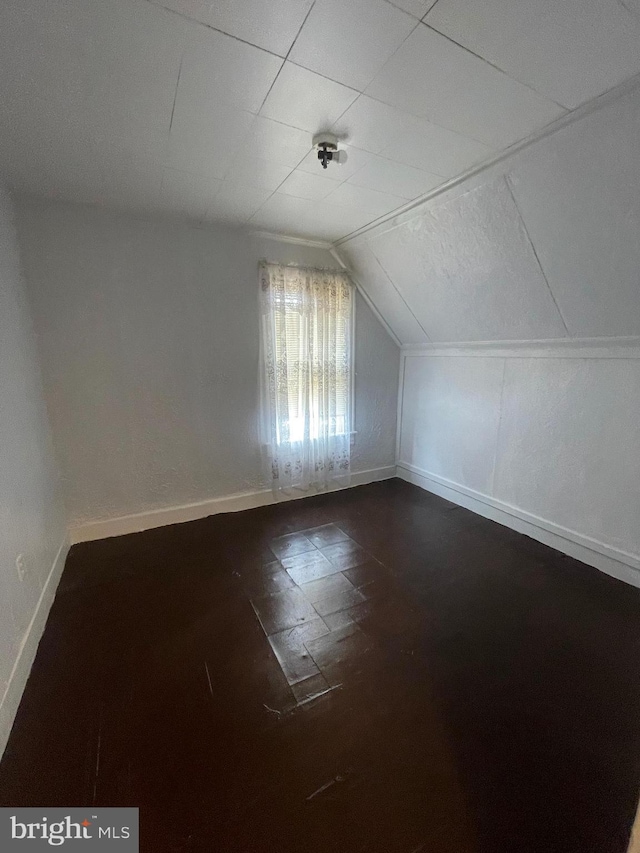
pixel 484 697
pixel 334 584
pixel 283 610
pixel 288 546
pixel 289 647
pixel 328 534
pixel 345 555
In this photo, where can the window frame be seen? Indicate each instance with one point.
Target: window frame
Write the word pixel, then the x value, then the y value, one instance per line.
pixel 351 394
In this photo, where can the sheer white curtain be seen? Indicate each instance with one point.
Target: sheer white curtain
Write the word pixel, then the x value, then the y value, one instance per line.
pixel 305 389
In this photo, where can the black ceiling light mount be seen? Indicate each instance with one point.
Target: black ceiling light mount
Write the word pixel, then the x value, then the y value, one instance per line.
pixel 326 144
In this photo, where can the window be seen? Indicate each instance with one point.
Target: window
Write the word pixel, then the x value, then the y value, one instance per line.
pixel 306 373
pixel 313 348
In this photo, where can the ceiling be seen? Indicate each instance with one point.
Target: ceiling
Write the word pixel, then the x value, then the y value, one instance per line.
pixel 543 245
pixel 205 110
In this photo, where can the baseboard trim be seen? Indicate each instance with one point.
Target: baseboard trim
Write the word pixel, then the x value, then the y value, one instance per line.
pixel 617 563
pixel 29 646
pixel 138 522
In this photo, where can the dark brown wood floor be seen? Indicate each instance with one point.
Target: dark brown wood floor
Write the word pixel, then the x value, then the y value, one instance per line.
pixel 373 670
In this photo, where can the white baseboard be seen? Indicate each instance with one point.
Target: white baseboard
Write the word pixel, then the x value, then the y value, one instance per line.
pixel 612 561
pixel 137 522
pixel 29 646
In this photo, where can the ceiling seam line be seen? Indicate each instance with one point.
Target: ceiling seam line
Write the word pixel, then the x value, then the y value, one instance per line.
pixel 264 100
pixel 378 101
pixel 324 76
pixel 258 113
pixel 577 114
pixel 427 119
pixel 197 23
pixel 284 60
pixel 426 14
pixel 492 65
pixel 393 284
pixel 332 79
pixel 281 182
pixel 300 29
pixel 509 184
pixel 175 95
pixel 389 58
pixel 346 85
pixel 400 9
pixel 367 298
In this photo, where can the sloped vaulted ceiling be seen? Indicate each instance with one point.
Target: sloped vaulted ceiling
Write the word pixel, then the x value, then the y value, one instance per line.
pixel 545 245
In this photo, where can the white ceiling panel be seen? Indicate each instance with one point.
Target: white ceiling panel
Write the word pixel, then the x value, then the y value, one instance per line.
pixel 110 138
pixel 82 182
pixel 55 158
pixel 283 214
pixel 569 51
pixel 306 185
pixel 432 77
pixel 383 129
pixel 468 271
pixel 579 196
pixel 48 133
pixel 257 173
pixel 328 221
pixel 135 184
pixel 363 198
pixel 278 142
pixel 350 40
pixel 188 193
pixel 272 26
pixel 65 49
pixel 216 67
pixel 110 68
pixel 417 8
pixel 436 150
pixel 306 218
pixel 206 142
pixel 27 70
pixel 395 178
pixel 306 100
pixel 372 125
pixel 101 98
pixel 236 202
pixel 133 56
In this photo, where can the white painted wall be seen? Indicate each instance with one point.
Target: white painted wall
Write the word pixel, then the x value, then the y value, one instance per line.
pixel 517 293
pixel 148 334
pixel 32 517
pixel 544 436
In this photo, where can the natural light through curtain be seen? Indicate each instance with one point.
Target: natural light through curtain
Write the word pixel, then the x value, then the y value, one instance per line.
pixel 306 377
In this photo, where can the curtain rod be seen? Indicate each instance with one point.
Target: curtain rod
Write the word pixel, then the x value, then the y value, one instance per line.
pixel 336 270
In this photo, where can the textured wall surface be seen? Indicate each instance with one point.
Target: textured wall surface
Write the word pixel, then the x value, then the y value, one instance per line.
pixel 32 517
pixel 377 362
pixel 558 438
pixel 148 333
pixel 543 246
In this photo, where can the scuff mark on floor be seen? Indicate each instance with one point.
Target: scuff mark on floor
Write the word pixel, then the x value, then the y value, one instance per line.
pixel 206 667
